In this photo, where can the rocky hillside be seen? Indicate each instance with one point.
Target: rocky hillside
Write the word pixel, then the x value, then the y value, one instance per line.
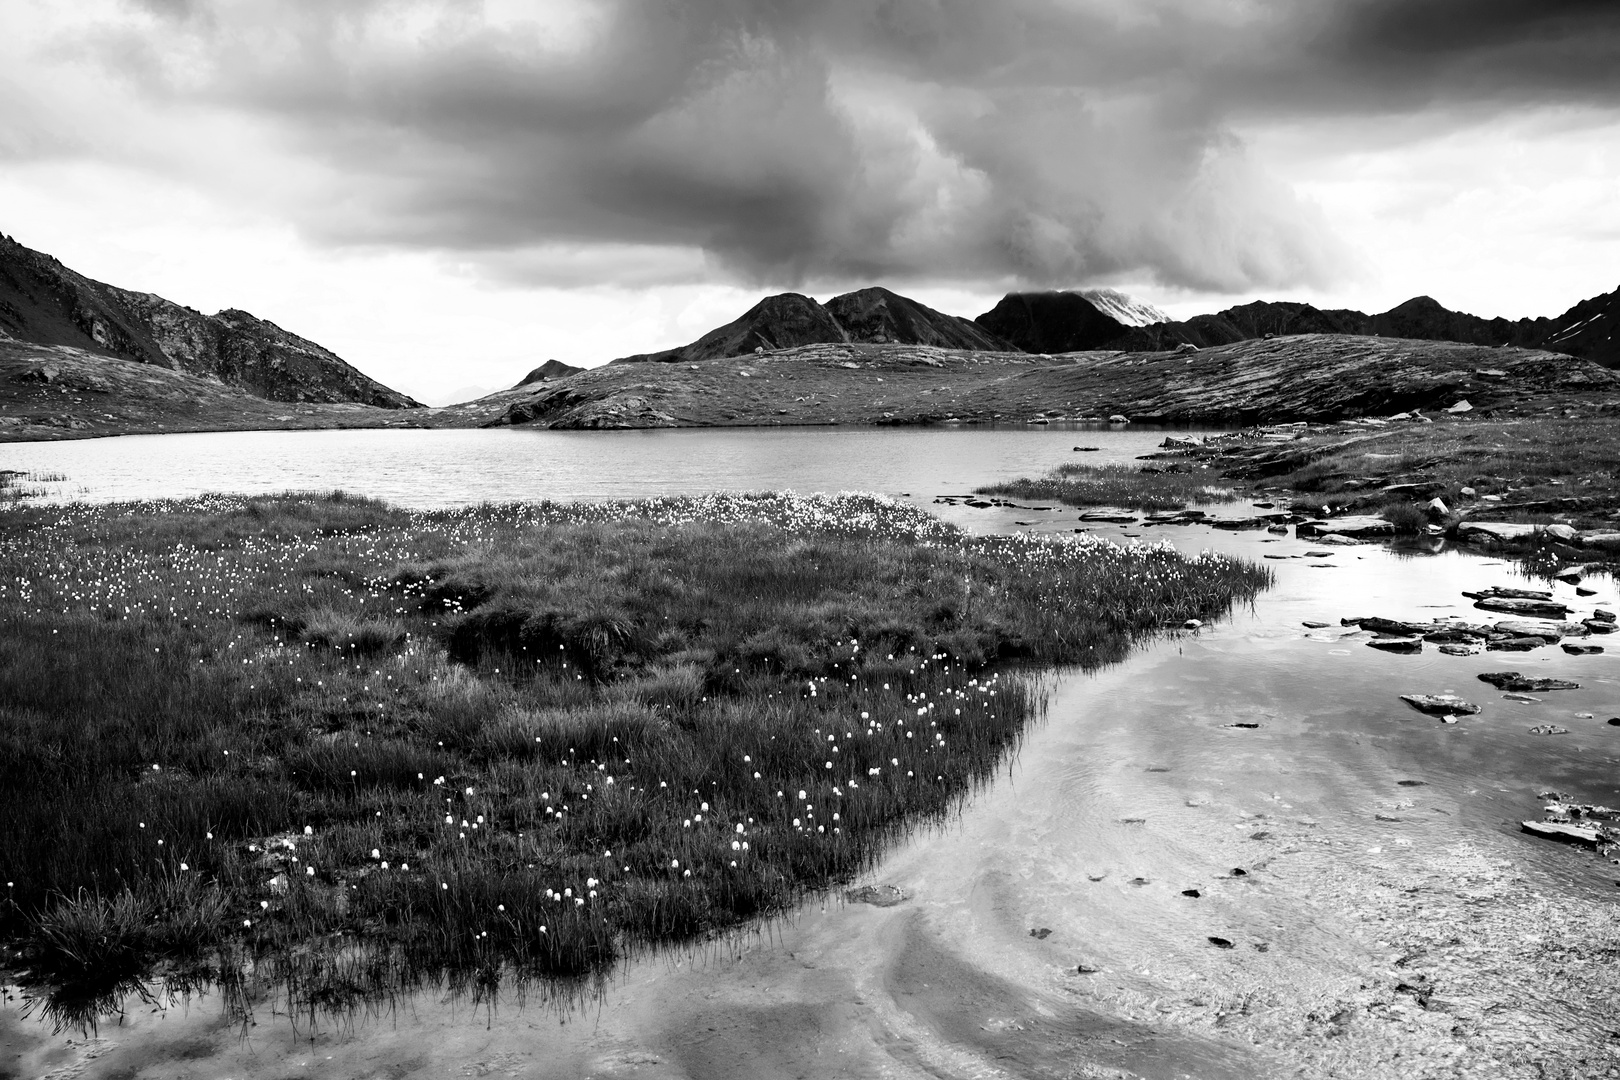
pixel 786 320
pixel 44 303
pixel 1309 377
pixel 50 392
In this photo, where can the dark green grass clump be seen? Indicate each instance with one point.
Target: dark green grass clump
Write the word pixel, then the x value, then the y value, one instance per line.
pixel 1117 485
pixel 365 748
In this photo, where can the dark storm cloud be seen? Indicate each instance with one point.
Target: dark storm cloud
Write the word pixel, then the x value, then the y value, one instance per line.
pixel 791 140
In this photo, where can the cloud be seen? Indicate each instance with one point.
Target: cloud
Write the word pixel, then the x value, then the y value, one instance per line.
pixel 797 141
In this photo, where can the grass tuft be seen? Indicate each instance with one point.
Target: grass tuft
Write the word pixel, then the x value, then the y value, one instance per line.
pixel 1117 485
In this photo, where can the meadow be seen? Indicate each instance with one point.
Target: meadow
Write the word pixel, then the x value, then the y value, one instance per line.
pixel 353 750
pixel 1543 470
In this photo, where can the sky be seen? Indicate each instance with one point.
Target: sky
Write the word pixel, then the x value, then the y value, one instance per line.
pixel 449 193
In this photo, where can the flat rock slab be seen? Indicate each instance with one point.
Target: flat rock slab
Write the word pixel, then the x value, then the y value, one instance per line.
pixel 1498 532
pixel 1509 594
pixel 1512 680
pixel 1440 704
pixel 1454 636
pixel 1516 644
pixel 1379 625
pixel 1521 628
pixel 1397 645
pixel 1582 650
pixel 1538 609
pixel 1604 541
pixel 1569 834
pixel 1549 729
pixel 1358 526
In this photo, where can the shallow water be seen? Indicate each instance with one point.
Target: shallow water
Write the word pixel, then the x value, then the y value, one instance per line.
pixel 1130 791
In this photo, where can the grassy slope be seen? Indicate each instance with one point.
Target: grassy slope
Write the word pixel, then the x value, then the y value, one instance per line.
pixel 1541 470
pixel 1308 377
pixel 519 740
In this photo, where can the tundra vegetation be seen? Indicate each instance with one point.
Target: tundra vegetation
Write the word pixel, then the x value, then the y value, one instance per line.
pixel 1126 486
pixel 354 750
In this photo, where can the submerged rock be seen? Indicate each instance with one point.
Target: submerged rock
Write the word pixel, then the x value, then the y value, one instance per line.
pixel 1582 650
pixel 876 895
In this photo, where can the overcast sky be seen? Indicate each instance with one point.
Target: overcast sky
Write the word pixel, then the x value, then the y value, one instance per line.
pixel 448 193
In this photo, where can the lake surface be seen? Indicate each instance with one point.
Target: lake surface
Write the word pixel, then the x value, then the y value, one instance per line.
pixel 1138 785
pixel 427 469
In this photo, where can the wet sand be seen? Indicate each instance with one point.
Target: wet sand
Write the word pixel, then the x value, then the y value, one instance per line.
pixel 1381 928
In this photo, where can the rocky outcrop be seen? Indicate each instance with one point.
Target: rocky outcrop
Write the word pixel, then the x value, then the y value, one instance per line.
pixel 45 303
pixel 551 369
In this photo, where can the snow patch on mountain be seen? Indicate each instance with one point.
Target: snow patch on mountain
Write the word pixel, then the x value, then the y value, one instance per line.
pixel 1125 308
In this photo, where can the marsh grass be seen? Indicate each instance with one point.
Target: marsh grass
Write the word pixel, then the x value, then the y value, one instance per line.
pixel 1117 485
pixel 366 749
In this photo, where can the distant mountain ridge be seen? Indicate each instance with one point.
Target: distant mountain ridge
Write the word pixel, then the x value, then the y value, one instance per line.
pixel 46 303
pixel 874 316
pixel 1104 319
pixel 1589 330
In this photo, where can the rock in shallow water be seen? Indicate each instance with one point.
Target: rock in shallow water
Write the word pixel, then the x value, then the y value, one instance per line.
pixel 1440 704
pixel 1512 680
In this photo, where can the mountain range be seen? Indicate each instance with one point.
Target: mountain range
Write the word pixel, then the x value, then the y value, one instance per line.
pixel 45 303
pixel 1063 322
